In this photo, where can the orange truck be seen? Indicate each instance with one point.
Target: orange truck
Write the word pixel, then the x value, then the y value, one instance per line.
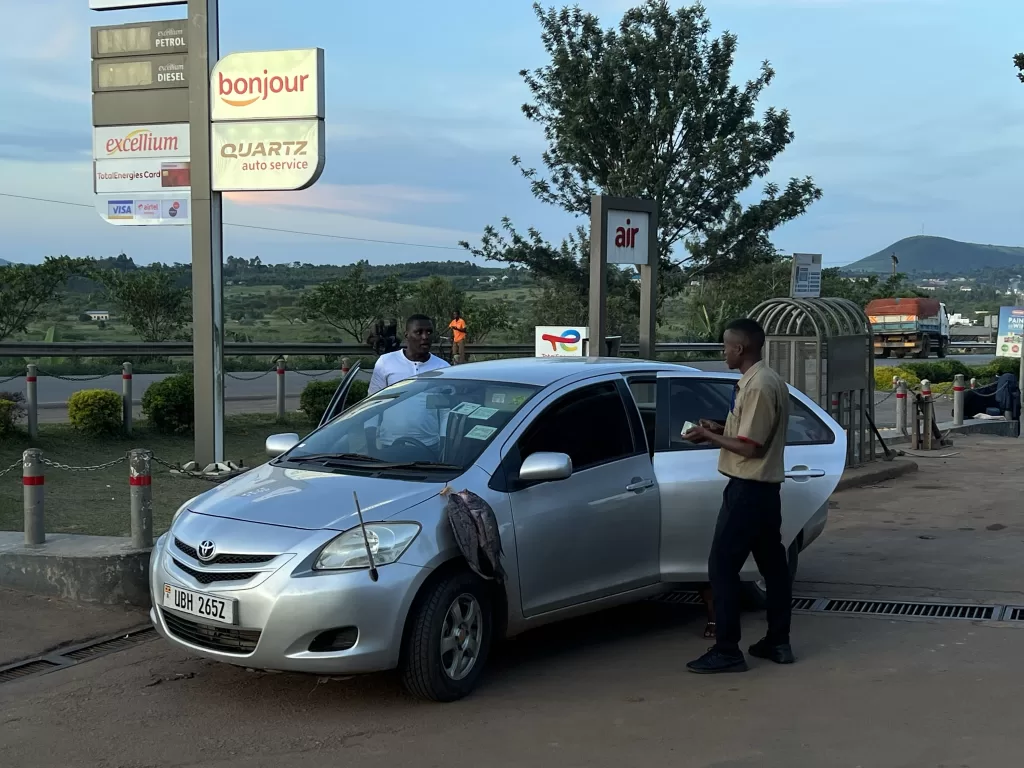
pixel 904 327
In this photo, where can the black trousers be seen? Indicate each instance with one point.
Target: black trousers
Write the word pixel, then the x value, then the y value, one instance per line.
pixel 750 522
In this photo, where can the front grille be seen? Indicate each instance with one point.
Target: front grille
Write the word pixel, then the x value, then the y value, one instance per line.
pixel 226 639
pixel 223 559
pixel 209 577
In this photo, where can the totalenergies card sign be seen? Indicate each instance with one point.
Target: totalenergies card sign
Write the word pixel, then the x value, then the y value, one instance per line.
pixel 268 85
pixel 264 155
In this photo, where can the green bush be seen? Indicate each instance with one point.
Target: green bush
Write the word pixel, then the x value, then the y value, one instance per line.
pixel 169 404
pixel 96 411
pixel 940 371
pixel 317 396
pixel 996 368
pixel 884 374
pixel 12 410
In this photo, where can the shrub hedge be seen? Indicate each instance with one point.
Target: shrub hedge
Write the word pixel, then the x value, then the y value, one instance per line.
pixel 96 411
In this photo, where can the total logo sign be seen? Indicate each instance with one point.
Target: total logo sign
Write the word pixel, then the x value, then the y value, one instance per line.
pixel 559 341
pixel 267 85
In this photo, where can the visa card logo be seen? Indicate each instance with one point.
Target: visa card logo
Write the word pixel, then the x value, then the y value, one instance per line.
pixel 120 209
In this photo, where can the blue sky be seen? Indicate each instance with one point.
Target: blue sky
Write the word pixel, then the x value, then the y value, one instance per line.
pixel 906 112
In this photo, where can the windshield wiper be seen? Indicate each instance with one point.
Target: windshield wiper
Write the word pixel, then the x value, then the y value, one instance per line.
pixel 425 465
pixel 359 457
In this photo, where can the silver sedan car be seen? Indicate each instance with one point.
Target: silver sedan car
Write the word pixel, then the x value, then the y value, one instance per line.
pixel 598 499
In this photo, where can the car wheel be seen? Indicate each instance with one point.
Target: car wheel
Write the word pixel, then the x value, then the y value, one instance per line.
pixel 755 596
pixel 449 639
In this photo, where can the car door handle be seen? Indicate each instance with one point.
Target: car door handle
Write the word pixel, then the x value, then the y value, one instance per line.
pixel 804 473
pixel 639 485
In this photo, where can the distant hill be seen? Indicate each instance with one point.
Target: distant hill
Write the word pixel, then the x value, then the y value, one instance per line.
pixel 926 254
pixel 4 262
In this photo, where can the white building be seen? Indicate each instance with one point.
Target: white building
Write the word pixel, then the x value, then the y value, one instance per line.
pixel 97 314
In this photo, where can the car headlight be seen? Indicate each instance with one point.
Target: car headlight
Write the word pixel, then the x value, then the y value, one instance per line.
pixel 181 509
pixel 387 543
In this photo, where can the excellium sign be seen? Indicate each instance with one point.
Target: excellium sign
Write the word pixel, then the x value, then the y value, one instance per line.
pixel 132 141
pixel 267 85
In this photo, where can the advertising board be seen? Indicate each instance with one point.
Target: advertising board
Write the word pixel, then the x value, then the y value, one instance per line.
pixel 268 85
pixel 151 174
pixel 267 155
pixel 137 141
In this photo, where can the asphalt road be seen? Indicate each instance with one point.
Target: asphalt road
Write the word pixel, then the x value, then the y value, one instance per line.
pixel 262 384
pixel 610 690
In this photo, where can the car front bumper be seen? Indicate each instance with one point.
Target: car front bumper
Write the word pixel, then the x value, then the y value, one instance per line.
pixel 281 613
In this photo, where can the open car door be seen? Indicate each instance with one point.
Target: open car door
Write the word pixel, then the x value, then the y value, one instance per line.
pixel 340 397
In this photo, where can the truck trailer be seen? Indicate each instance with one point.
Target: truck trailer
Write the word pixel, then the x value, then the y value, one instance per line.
pixel 904 327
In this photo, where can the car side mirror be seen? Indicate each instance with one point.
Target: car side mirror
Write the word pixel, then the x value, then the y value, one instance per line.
pixel 278 444
pixel 541 467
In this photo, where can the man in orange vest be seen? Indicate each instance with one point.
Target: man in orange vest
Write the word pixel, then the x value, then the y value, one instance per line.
pixel 458 329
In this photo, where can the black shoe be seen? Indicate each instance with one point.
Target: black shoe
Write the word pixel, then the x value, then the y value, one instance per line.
pixel 715 661
pixel 780 654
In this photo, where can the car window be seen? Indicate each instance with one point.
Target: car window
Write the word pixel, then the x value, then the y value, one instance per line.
pixel 423 419
pixel 691 400
pixel 590 425
pixel 804 427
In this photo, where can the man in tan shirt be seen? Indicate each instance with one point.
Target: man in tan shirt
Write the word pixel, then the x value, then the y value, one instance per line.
pixel 753 444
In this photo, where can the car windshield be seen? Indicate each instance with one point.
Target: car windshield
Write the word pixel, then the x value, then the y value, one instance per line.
pixel 421 424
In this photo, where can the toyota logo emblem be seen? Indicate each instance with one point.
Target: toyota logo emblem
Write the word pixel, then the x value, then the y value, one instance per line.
pixel 207 550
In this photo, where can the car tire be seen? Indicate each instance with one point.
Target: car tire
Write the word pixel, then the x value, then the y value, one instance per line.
pixel 427 671
pixel 754 596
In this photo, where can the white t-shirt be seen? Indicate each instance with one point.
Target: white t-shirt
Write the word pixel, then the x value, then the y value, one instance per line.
pixel 417 421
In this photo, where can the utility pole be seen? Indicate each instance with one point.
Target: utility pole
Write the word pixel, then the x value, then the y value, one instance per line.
pixel 207 241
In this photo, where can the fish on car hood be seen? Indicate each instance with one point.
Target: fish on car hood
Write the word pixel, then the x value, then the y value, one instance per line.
pixel 300 498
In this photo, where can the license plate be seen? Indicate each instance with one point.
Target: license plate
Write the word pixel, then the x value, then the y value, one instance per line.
pixel 197 604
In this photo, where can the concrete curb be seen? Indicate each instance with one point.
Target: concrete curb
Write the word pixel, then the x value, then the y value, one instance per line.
pixel 876 472
pixel 90 569
pixel 997 427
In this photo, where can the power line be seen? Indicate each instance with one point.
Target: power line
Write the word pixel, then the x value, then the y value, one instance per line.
pixel 328 235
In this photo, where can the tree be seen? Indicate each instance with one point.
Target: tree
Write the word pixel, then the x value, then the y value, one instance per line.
pixel 1018 62
pixel 650 110
pixel 150 301
pixel 25 288
pixel 437 298
pixel 290 314
pixel 485 317
pixel 351 304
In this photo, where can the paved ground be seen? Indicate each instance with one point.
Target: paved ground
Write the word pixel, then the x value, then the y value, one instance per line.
pixel 611 690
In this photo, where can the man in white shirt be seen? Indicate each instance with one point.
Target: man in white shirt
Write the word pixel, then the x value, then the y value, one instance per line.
pixel 410 419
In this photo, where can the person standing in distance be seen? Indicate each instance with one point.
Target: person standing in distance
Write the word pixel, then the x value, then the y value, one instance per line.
pixel 458 329
pixel 405 363
pixel 753 444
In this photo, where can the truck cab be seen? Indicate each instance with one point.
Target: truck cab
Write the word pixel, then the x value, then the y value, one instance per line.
pixel 908 326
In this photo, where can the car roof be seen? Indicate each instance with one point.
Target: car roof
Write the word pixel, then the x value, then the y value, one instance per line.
pixel 544 371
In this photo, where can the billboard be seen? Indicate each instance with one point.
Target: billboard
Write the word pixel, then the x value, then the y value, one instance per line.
pixel 267 155
pixel 267 85
pixel 142 175
pixel 1011 332
pixel 805 279
pixel 137 141
pixel 628 236
pixel 560 341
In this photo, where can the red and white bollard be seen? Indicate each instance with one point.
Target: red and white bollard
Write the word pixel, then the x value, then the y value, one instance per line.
pixel 958 399
pixel 280 389
pixel 32 401
pixel 901 406
pixel 344 366
pixel 126 397
pixel 32 481
pixel 140 489
pixel 926 388
pixel 974 383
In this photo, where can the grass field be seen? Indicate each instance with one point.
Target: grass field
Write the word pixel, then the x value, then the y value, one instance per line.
pixel 97 503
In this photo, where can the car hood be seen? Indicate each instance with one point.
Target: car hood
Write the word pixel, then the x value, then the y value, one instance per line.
pixel 300 498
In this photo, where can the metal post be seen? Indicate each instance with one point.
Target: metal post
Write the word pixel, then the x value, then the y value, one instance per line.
pixel 280 389
pixel 597 317
pixel 958 399
pixel 344 366
pixel 974 383
pixel 901 406
pixel 1020 387
pixel 32 483
pixel 929 420
pixel 140 489
pixel 926 388
pixel 126 396
pixel 207 240
pixel 915 423
pixel 648 292
pixel 32 401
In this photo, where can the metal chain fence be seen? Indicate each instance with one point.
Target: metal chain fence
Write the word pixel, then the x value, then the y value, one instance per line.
pixel 11 378
pixel 250 378
pixel 14 466
pixel 316 375
pixel 176 467
pixel 94 468
pixel 79 378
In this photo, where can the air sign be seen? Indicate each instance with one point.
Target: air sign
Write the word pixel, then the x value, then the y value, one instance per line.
pixel 266 155
pixel 628 237
pixel 268 85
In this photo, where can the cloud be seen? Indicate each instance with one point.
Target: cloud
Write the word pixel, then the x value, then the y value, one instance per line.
pixel 371 199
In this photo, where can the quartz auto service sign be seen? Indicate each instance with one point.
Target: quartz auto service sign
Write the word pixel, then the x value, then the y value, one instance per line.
pixel 267 85
pixel 265 155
